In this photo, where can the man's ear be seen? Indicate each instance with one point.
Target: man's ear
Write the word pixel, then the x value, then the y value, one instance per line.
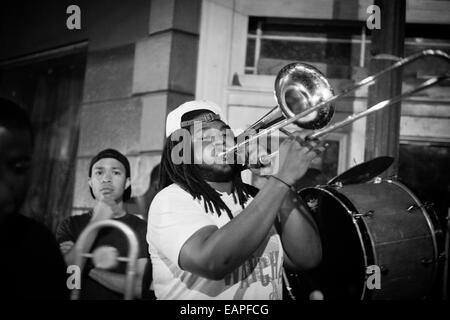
pixel 127 183
pixel 90 182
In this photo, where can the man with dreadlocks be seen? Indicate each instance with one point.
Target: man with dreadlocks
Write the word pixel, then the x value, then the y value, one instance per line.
pixel 210 235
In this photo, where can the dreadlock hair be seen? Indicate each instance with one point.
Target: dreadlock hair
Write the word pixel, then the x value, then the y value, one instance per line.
pixel 188 177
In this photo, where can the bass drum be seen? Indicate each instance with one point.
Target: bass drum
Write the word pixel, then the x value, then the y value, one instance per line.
pixel 370 230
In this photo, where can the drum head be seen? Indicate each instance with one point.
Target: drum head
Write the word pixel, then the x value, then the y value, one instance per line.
pixel 341 274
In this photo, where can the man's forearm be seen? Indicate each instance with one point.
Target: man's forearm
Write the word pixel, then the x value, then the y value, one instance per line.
pixel 228 247
pixel 70 256
pixel 115 281
pixel 300 236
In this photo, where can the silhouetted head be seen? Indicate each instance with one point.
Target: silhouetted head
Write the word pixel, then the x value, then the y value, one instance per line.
pixel 16 150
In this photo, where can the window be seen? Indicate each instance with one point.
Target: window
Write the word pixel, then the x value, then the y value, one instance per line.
pixel 332 45
pixel 420 37
pixel 340 49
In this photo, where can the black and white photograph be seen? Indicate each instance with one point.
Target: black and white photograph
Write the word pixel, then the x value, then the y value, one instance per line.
pixel 225 154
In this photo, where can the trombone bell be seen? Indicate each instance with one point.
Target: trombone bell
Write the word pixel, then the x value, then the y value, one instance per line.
pixel 300 86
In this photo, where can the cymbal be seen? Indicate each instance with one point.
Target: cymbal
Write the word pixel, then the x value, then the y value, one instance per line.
pixel 363 172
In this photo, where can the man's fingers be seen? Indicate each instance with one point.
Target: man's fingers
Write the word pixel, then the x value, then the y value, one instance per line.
pixel 307 146
pixel 319 150
pixel 302 134
pixel 314 152
pixel 65 249
pixel 301 138
pixel 66 246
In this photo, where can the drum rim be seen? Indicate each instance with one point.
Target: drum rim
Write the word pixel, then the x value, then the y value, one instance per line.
pixel 360 227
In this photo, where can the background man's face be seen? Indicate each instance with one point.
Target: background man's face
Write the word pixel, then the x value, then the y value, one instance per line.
pixel 108 178
pixel 15 165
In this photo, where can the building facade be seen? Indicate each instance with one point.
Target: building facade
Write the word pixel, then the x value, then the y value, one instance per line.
pixel 140 59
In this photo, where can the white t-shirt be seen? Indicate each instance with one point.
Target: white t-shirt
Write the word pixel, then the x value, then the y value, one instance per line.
pixel 174 216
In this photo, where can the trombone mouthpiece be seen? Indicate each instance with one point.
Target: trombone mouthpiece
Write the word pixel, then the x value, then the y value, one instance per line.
pixel 223 157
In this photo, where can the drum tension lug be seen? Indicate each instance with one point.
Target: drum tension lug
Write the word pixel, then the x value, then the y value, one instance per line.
pixel 377 180
pixel 393 177
pixel 426 206
pixel 366 214
pixel 426 261
pixel 337 185
pixel 440 259
pixel 384 270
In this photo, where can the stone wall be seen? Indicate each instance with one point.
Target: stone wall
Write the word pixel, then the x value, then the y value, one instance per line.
pixel 141 63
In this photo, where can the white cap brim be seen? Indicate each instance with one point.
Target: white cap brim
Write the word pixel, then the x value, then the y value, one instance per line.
pixel 173 120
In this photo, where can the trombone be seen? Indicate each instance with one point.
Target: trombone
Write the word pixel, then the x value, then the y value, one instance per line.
pixel 301 90
pixel 131 259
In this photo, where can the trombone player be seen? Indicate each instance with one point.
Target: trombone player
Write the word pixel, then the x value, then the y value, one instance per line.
pixel 213 237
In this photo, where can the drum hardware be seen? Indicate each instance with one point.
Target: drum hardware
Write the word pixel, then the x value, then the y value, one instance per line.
pixel 427 261
pixel 312 204
pixel 288 285
pixel 384 270
pixel 439 233
pixel 364 172
pixel 377 180
pixel 426 206
pixel 368 214
pixel 446 251
pixel 337 185
pixel 440 258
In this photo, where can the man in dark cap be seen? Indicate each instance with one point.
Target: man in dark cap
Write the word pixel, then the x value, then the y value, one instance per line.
pixel 110 186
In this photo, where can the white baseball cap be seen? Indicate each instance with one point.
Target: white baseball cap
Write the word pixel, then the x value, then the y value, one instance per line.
pixel 173 120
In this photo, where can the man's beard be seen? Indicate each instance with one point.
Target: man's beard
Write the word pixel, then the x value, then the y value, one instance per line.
pixel 211 174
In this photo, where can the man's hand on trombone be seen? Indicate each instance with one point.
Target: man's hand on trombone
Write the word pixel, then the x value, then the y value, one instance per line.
pixel 290 161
